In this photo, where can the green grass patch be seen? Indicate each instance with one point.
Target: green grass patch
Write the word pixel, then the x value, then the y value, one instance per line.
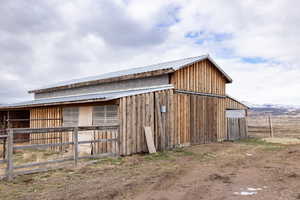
pixel 158 156
pixel 254 141
pixel 180 152
pixel 111 161
pixel 259 142
pixel 183 152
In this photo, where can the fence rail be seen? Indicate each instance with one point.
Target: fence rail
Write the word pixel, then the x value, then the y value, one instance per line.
pixel 277 126
pixel 11 147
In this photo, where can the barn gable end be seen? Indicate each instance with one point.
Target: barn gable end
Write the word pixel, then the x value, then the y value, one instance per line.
pixel 202 76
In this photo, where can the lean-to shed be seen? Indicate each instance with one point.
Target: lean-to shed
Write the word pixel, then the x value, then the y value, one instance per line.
pixel 183 101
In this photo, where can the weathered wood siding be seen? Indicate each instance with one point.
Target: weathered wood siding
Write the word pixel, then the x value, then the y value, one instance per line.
pixel 189 119
pixel 236 128
pixel 139 111
pixel 47 117
pixel 199 119
pixel 105 147
pixel 202 77
pixel 233 104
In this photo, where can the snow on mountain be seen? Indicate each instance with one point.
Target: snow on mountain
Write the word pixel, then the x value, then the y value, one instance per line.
pixel 282 106
pixel 274 109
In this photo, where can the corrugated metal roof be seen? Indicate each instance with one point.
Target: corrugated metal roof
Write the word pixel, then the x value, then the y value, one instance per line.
pixel 175 65
pixel 103 96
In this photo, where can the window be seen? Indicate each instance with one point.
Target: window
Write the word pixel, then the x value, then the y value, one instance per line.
pixel 105 114
pixel 70 116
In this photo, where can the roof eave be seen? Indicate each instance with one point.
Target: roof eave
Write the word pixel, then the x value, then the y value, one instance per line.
pixel 52 104
pixel 227 77
pixel 109 96
pixel 234 99
pixel 95 82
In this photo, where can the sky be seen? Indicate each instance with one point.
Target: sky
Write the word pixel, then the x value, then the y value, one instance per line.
pixel 256 42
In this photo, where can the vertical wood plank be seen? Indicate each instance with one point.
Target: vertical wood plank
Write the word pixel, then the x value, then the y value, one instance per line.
pixel 128 125
pixel 75 138
pixel 9 157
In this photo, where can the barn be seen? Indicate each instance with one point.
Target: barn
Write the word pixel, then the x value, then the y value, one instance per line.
pixel 184 102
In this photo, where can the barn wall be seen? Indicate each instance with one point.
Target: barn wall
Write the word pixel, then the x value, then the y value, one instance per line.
pixel 202 77
pixel 189 119
pixel 233 104
pixel 199 119
pixel 139 111
pixel 119 85
pixel 47 117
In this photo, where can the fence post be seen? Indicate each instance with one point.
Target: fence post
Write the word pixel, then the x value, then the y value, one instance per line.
pixel 117 136
pixel 75 140
pixel 271 127
pixel 9 158
pixel 246 127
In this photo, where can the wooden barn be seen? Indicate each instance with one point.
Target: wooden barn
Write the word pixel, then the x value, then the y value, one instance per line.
pixel 183 101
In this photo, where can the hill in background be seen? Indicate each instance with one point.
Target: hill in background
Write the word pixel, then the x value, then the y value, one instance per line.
pixel 273 109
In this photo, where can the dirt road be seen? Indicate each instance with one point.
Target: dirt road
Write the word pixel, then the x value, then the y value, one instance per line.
pixel 245 170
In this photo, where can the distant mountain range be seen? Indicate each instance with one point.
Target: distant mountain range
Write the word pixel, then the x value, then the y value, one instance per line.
pixel 273 109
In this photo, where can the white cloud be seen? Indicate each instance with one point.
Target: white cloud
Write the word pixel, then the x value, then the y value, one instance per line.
pixel 57 40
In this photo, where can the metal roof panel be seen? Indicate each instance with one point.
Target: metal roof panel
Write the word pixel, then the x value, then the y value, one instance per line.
pixel 103 96
pixel 175 65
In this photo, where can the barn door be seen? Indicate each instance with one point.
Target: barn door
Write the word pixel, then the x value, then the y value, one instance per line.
pixel 79 116
pixel 85 119
pixel 236 124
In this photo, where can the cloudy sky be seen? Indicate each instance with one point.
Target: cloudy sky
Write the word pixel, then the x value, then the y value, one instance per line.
pixel 256 42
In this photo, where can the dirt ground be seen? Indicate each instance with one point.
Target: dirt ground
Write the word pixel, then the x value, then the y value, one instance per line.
pixel 249 169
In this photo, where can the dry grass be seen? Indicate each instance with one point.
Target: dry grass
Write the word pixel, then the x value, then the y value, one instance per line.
pixel 283 126
pixel 211 171
pixel 286 141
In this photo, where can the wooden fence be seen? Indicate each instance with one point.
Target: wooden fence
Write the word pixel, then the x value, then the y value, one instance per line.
pixel 11 147
pixel 277 126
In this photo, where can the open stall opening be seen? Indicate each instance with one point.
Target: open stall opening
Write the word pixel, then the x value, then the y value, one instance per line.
pixel 15 119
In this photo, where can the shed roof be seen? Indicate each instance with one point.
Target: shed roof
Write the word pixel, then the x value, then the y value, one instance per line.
pixel 234 99
pixel 171 66
pixel 95 97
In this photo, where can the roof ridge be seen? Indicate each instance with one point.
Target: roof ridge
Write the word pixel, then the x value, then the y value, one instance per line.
pixel 83 79
pixel 172 66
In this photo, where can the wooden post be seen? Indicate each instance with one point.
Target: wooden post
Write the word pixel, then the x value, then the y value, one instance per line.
pixel 246 127
pixel 75 140
pixel 9 157
pixel 117 143
pixel 160 123
pixel 8 120
pixel 4 148
pixel 60 141
pixel 271 127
